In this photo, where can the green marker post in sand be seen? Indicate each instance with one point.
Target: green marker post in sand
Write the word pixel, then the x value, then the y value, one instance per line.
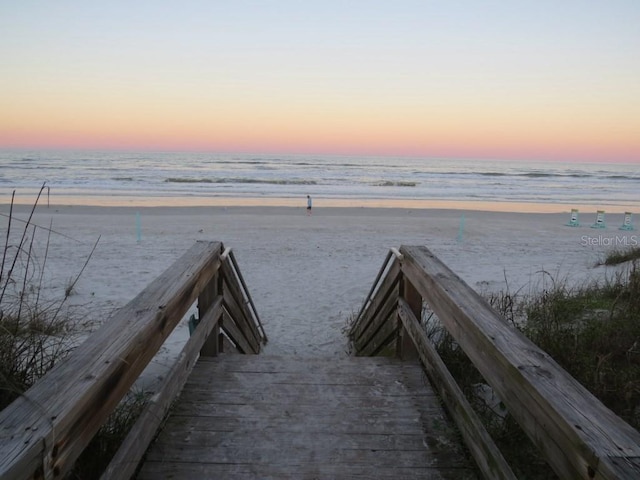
pixel 138 227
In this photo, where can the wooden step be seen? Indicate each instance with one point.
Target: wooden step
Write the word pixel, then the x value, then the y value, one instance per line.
pixel 274 417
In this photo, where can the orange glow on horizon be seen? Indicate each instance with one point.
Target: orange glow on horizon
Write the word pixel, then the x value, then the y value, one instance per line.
pixel 475 129
pixel 433 79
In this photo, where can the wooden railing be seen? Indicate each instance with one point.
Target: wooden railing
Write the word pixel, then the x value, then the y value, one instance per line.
pixel 576 433
pixel 44 431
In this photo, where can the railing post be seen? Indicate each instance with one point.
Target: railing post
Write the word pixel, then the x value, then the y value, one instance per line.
pixel 405 348
pixel 211 346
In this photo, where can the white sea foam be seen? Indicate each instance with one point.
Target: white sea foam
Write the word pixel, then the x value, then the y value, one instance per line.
pixel 210 175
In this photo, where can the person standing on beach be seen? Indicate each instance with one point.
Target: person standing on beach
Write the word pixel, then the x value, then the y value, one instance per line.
pixel 308 205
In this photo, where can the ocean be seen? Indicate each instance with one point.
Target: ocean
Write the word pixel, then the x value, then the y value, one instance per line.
pixel 169 176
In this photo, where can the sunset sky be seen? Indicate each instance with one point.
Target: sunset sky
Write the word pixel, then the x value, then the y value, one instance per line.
pixel 530 80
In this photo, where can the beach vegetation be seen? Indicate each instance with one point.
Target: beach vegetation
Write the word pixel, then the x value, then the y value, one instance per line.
pixel 96 457
pixel 68 288
pixel 621 255
pixel 37 333
pixel 592 331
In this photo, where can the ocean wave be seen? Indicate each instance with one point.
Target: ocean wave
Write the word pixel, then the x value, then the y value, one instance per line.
pixel 526 174
pixel 242 180
pixel 27 166
pixel 623 177
pixel 389 183
pixel 122 179
pixel 271 161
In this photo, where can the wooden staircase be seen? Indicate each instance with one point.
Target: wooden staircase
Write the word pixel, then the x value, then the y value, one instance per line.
pixel 275 417
pixel 260 416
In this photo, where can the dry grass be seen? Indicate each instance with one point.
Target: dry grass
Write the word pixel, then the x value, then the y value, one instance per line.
pixel 36 334
pixel 592 331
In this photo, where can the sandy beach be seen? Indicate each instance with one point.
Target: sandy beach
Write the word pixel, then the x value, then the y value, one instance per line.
pixel 308 274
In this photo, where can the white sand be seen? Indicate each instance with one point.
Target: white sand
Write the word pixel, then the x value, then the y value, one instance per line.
pixel 307 274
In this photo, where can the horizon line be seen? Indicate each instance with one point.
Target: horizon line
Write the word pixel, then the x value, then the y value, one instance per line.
pixel 315 153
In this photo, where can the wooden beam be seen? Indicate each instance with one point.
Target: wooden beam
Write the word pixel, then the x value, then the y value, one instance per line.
pixel 488 457
pixel 237 337
pixel 369 296
pixel 132 449
pixel 388 283
pixel 578 435
pixel 387 333
pixel 406 348
pixel 382 317
pixel 46 429
pixel 236 268
pixel 236 318
pixel 207 297
pixel 245 320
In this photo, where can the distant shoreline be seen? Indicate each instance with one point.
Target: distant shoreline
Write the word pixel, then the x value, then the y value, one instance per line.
pixel 110 201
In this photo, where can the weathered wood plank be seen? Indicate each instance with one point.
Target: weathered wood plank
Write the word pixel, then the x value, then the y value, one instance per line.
pixel 312 395
pixel 207 297
pixel 485 452
pixel 386 333
pixel 231 329
pixel 256 317
pixel 288 417
pixel 369 297
pixel 389 282
pixel 301 449
pixel 175 470
pixel 236 316
pixel 225 344
pixel 302 363
pixel 246 321
pixel 406 348
pixel 578 435
pixel 303 419
pixel 383 316
pixel 48 427
pixel 309 442
pixel 335 377
pixel 128 456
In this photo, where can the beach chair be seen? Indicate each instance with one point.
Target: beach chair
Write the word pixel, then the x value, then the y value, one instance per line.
pixel 626 224
pixel 599 220
pixel 573 222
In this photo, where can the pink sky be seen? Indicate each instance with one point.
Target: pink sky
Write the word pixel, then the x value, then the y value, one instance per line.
pixel 415 79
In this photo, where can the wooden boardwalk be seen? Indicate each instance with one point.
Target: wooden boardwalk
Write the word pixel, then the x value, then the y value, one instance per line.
pixel 268 417
pixel 259 416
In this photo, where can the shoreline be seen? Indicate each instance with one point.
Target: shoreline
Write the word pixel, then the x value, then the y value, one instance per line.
pixel 447 215
pixel 319 203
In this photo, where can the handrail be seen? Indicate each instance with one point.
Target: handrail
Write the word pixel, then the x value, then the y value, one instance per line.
pixel 44 431
pixel 577 434
pixel 482 447
pixel 133 447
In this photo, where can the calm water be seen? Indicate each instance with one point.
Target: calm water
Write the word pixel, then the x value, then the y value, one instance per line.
pixel 171 175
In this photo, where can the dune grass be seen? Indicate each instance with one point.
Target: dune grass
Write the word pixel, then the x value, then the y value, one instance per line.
pixel 592 331
pixel 36 334
pixel 618 256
